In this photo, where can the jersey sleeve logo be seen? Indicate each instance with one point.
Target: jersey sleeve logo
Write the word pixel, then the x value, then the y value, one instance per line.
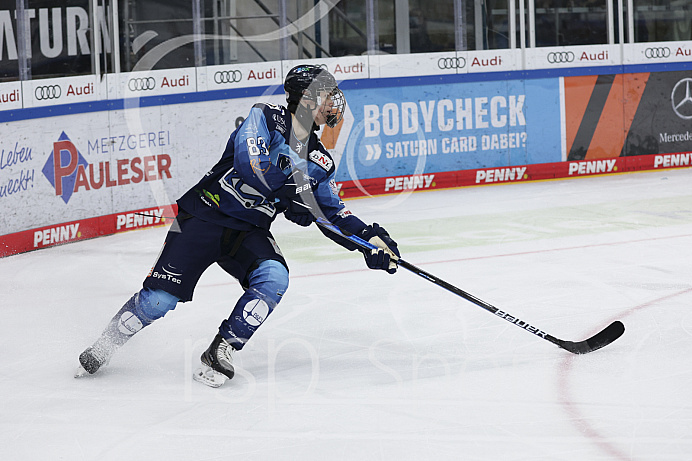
pixel 321 159
pixel 279 123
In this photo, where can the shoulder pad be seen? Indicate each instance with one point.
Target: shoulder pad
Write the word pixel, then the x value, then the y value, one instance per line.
pixel 275 115
pixel 269 108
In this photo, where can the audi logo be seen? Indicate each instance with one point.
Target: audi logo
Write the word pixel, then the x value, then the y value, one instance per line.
pixel 657 52
pixel 141 84
pixel 228 76
pixel 451 63
pixel 47 92
pixel 557 57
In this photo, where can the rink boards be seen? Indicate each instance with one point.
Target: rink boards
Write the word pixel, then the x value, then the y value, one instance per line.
pixel 80 155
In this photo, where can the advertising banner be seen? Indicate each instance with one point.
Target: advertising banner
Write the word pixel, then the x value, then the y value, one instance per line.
pixel 610 116
pixel 67 90
pixel 661 52
pixel 239 76
pixel 559 57
pixel 662 122
pixel 85 165
pixel 152 83
pixel 406 130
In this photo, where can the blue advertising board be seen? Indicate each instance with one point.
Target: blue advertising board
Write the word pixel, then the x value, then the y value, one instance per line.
pixel 411 129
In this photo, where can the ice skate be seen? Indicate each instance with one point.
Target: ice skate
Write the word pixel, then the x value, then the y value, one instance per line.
pixel 121 328
pixel 97 355
pixel 217 363
pixel 91 360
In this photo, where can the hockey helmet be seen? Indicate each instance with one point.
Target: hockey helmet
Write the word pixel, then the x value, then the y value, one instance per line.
pixel 310 82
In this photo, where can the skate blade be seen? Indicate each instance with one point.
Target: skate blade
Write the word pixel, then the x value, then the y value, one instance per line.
pixel 209 377
pixel 80 372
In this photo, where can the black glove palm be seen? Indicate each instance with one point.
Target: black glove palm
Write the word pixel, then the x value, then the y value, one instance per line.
pixel 385 258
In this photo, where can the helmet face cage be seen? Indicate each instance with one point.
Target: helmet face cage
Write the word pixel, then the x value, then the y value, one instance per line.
pixel 336 114
pixel 311 82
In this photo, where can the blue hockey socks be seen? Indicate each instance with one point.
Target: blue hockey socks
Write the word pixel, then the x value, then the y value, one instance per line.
pixel 267 284
pixel 139 311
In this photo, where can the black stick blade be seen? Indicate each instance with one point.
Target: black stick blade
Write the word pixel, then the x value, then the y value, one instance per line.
pixel 599 340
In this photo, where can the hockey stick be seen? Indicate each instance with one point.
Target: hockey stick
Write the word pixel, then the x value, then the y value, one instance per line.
pixel 599 340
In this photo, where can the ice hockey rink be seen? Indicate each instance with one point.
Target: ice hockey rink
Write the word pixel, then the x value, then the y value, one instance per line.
pixel 361 365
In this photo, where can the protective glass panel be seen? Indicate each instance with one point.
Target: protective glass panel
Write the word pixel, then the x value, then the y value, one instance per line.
pixel 431 26
pixel 146 25
pixel 571 22
pixel 662 20
pixel 347 26
pixel 497 20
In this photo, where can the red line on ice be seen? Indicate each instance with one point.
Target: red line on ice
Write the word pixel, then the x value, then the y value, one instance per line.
pixel 571 407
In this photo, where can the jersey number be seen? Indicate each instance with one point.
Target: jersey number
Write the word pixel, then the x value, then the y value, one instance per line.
pixel 256 146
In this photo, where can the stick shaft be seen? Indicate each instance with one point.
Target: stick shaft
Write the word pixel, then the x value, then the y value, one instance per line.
pixel 446 285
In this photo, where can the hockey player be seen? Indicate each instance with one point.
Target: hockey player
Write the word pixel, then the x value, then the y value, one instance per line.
pixel 273 163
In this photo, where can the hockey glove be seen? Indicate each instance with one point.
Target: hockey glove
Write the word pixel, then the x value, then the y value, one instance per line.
pixel 385 258
pixel 296 199
pixel 299 214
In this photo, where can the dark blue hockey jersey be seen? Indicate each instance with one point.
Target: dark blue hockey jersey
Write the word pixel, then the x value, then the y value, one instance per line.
pixel 259 156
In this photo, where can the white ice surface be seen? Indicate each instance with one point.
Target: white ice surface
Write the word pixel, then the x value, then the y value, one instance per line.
pixel 360 365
